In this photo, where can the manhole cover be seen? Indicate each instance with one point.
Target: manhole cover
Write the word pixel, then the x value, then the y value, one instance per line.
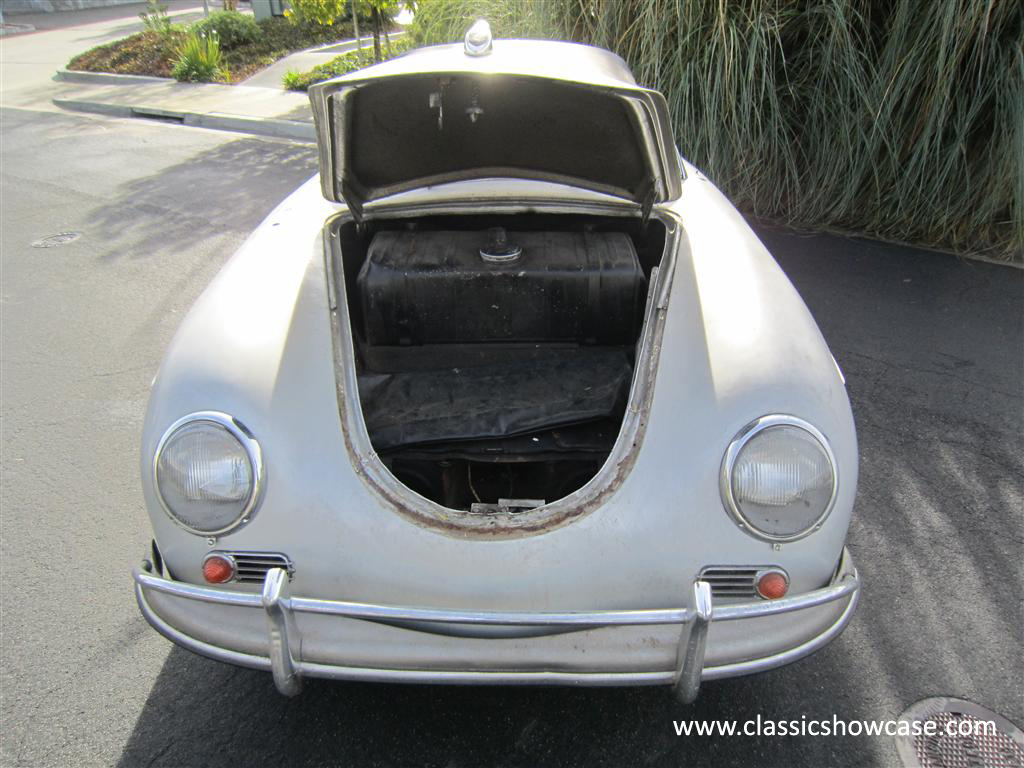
pixel 54 240
pixel 953 733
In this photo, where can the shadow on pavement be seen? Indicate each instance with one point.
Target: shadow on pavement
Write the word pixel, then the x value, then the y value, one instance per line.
pixel 302 113
pixel 931 347
pixel 201 712
pixel 236 177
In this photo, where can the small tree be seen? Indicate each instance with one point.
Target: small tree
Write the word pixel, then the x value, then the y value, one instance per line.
pixel 156 20
pixel 326 12
pixel 378 11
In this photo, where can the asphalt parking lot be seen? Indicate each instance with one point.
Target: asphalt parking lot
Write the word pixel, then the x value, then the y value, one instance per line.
pixel 932 348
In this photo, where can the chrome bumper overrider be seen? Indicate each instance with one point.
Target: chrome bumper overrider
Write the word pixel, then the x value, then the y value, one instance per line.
pixel 284 641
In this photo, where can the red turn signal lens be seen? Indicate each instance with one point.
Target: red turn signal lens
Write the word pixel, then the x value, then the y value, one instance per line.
pixel 772 585
pixel 218 569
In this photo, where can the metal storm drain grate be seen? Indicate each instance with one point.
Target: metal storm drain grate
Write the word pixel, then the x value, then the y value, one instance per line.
pixel 54 240
pixel 953 733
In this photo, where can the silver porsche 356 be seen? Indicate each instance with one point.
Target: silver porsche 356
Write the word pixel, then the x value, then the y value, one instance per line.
pixel 510 393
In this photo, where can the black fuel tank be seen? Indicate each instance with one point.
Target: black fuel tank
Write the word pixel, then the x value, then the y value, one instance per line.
pixel 424 287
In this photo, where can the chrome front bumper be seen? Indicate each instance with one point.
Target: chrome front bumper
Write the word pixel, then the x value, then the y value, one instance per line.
pixel 282 647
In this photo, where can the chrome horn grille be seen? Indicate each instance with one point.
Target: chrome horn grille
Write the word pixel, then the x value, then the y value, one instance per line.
pixel 731 580
pixel 252 567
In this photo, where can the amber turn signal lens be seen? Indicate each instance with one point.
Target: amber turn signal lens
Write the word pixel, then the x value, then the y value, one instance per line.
pixel 772 585
pixel 217 569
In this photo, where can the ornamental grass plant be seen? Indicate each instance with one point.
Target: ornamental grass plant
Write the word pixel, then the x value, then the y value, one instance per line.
pixel 199 58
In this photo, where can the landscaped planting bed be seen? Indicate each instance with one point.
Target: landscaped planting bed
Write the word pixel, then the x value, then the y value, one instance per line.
pixel 155 53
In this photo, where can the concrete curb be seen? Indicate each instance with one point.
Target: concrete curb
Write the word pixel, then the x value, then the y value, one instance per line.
pixel 107 78
pixel 96 108
pixel 10 28
pixel 257 126
pixel 260 126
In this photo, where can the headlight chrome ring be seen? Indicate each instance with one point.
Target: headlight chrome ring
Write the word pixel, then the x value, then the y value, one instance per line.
pixel 249 445
pixel 732 454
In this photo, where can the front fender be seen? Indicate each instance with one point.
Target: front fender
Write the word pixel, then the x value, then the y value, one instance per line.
pixel 740 344
pixel 255 345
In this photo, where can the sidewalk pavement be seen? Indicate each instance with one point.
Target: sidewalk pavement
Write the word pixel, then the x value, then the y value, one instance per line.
pixel 303 61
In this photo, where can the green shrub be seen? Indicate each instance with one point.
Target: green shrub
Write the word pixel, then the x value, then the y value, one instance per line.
pixel 232 28
pixel 341 65
pixel 296 81
pixel 292 34
pixel 199 59
pixel 321 12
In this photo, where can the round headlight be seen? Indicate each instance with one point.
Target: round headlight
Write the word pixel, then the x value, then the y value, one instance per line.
pixel 208 472
pixel 779 478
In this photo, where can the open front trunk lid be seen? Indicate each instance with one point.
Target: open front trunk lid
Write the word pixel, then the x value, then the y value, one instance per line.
pixel 538 110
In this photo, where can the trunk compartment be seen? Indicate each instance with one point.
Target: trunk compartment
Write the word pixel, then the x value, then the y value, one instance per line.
pixel 495 354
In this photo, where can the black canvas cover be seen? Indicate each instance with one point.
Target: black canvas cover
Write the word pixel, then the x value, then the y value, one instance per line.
pixel 551 388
